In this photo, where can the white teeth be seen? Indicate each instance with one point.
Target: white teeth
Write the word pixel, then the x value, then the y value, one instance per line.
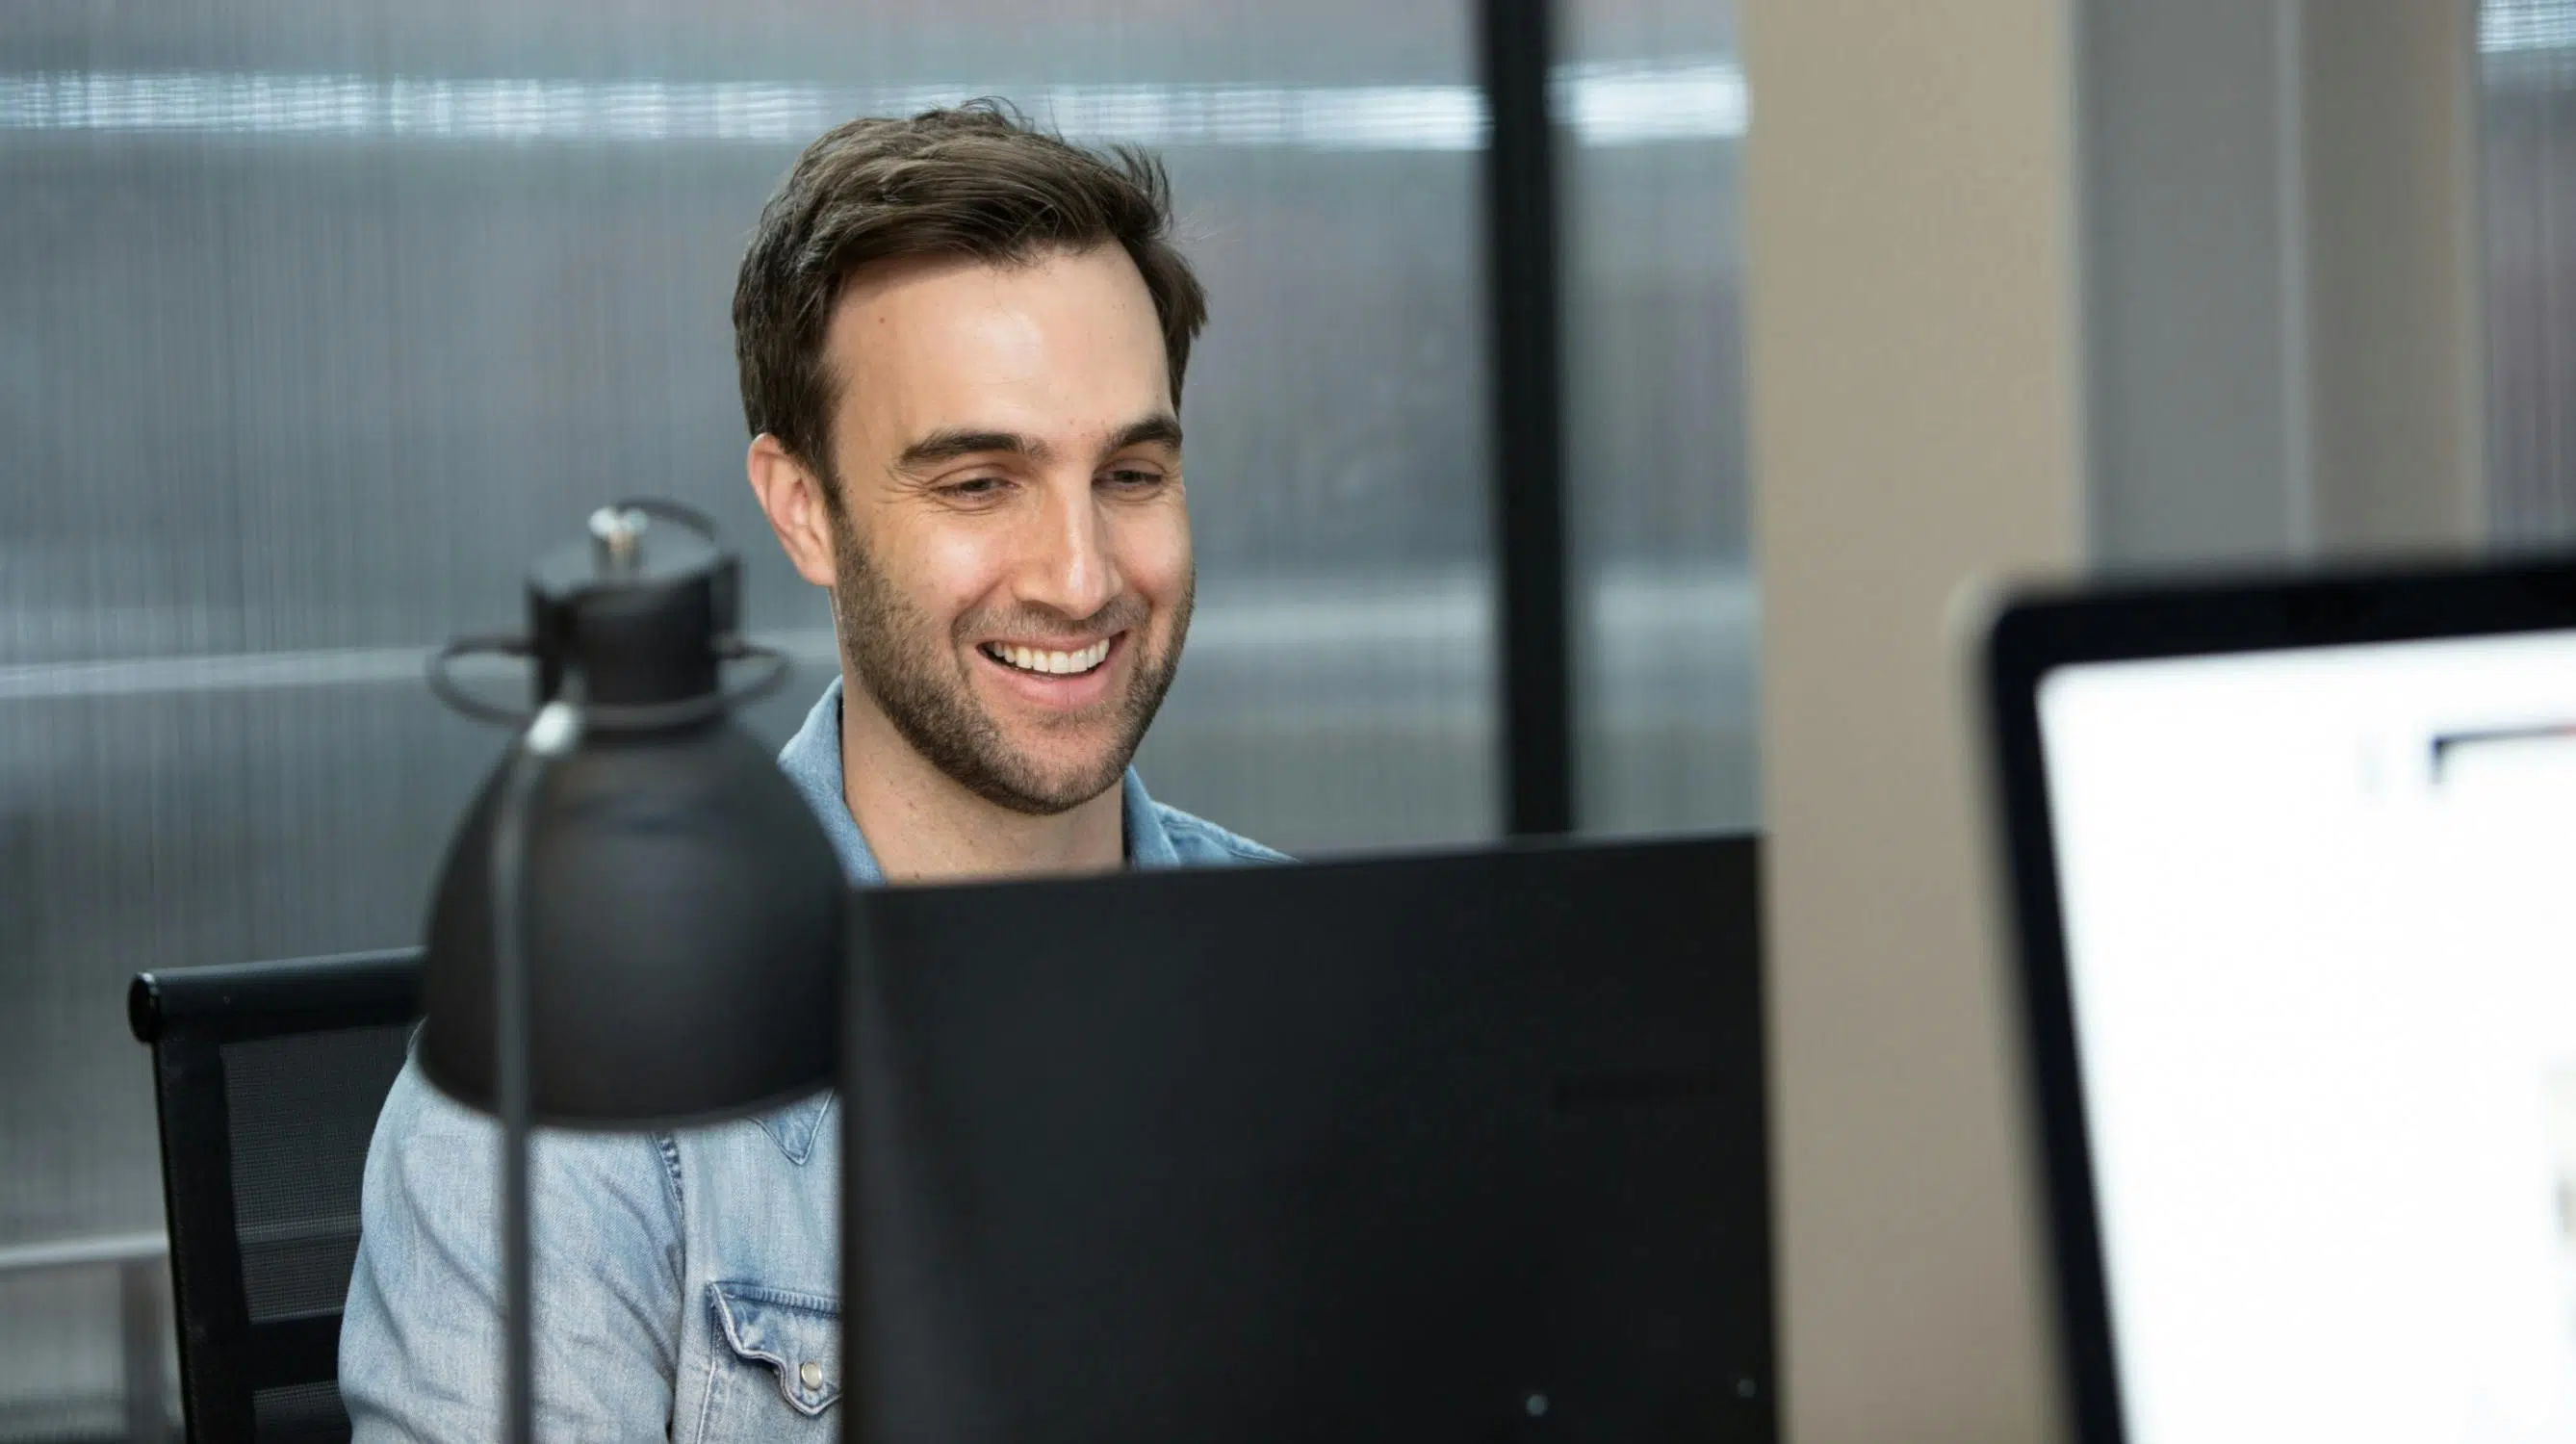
pixel 1034 659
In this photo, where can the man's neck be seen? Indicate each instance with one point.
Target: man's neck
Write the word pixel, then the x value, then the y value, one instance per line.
pixel 922 827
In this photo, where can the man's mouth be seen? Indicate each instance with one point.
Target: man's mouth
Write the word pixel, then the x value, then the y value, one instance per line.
pixel 1048 662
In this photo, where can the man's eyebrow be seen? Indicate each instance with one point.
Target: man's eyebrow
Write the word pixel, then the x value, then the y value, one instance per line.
pixel 1163 430
pixel 955 443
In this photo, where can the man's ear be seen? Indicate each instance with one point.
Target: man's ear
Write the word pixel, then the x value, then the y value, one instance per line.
pixel 791 495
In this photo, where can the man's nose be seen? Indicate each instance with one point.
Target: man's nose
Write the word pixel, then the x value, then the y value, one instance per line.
pixel 1071 568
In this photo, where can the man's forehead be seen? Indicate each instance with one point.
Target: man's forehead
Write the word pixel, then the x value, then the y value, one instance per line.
pixel 927 294
pixel 1069 343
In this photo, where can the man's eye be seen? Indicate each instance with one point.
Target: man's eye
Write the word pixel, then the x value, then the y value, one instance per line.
pixel 972 487
pixel 1132 478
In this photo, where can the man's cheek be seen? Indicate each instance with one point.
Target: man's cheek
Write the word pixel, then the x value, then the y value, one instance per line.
pixel 1159 564
pixel 950 566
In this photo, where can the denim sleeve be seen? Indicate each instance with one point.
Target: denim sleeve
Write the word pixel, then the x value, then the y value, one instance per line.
pixel 420 1344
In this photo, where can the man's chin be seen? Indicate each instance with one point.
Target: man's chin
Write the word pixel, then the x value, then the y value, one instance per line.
pixel 1042 781
pixel 1048 794
pixel 1033 800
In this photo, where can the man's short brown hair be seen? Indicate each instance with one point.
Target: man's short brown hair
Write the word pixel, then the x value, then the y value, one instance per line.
pixel 976 181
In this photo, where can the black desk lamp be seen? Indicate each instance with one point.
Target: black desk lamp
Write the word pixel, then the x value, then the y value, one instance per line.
pixel 639 922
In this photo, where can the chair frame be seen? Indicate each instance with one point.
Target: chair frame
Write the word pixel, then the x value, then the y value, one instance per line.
pixel 187 1016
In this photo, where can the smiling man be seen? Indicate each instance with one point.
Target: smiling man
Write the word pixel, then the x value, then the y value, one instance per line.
pixel 961 344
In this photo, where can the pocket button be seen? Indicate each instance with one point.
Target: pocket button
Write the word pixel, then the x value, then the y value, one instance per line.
pixel 810 1374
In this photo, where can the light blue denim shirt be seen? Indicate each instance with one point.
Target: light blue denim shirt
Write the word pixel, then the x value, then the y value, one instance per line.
pixel 686 1284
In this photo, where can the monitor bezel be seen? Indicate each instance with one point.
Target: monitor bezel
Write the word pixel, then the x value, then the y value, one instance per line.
pixel 2038 631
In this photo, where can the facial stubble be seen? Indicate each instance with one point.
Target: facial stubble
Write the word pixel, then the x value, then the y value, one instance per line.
pixel 921 681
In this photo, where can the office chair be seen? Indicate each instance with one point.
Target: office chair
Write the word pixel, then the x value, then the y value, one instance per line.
pixel 269 1077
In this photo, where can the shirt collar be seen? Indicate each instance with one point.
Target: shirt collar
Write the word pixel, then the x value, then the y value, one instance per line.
pixel 812 761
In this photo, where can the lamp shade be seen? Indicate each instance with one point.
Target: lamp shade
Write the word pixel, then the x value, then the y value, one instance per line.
pixel 679 908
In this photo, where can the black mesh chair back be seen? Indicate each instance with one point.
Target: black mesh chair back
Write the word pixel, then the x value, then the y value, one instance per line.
pixel 269 1078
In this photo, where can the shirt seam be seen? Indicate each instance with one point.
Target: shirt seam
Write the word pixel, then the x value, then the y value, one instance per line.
pixel 669 1145
pixel 715 1375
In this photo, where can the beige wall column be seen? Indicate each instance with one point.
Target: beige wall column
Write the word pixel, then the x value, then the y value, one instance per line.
pixel 1912 332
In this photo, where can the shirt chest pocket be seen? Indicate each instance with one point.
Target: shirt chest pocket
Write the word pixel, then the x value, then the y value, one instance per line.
pixel 776 1367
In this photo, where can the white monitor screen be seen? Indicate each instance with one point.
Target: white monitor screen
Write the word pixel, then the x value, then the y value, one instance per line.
pixel 2320 912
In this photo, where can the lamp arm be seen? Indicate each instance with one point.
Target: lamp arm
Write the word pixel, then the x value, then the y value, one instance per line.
pixel 554 732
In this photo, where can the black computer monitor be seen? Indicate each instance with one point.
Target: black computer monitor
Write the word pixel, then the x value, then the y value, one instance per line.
pixel 1437 1148
pixel 2294 872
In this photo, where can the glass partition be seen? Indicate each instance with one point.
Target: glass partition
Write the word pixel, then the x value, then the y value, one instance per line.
pixel 2527 54
pixel 319 321
pixel 1656 489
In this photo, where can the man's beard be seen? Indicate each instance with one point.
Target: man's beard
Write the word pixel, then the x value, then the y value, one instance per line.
pixel 916 678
